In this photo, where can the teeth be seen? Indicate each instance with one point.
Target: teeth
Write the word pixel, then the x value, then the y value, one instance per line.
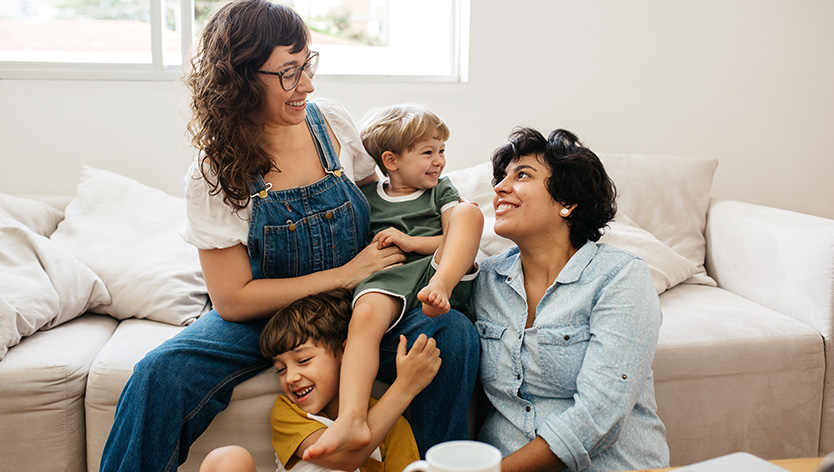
pixel 505 206
pixel 301 393
pixel 296 104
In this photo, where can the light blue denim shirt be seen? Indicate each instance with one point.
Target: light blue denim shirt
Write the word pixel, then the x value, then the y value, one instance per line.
pixel 581 376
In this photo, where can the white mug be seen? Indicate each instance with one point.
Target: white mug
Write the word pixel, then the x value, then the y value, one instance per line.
pixel 459 456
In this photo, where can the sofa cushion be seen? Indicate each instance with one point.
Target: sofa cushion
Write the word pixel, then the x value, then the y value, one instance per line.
pixel 128 234
pixel 42 384
pixel 109 373
pixel 246 420
pixel 43 284
pixel 730 373
pixel 669 197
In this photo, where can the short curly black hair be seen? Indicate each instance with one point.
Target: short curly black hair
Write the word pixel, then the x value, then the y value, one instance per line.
pixel 577 177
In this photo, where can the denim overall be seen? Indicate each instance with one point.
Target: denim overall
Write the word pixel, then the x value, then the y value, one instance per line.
pixel 178 388
pixel 320 226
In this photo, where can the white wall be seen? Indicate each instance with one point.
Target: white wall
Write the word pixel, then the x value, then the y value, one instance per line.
pixel 750 82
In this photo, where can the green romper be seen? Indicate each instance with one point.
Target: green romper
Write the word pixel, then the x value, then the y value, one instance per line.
pixel 417 214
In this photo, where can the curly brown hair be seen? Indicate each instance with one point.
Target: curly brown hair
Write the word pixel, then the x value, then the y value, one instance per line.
pixel 227 97
pixel 321 319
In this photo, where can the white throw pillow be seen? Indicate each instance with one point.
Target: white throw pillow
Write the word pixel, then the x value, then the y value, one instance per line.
pixel 41 284
pixel 127 233
pixel 40 217
pixel 667 196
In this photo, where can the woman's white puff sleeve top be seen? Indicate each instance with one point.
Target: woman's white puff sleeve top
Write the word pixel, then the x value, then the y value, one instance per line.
pixel 211 224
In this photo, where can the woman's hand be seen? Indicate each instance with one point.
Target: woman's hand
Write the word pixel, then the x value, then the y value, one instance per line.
pixel 370 260
pixel 417 368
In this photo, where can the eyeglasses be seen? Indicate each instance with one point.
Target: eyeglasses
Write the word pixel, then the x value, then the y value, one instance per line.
pixel 290 76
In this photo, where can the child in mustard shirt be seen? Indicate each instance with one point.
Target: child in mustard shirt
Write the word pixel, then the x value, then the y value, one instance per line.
pixel 305 341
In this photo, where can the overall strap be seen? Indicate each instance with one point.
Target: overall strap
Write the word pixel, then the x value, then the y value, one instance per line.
pixel 324 146
pixel 259 187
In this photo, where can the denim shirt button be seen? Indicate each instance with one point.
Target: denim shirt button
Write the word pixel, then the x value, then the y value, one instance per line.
pixel 328 215
pixel 527 408
pixel 518 377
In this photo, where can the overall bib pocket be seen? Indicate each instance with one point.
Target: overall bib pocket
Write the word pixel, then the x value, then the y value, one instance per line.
pixel 320 241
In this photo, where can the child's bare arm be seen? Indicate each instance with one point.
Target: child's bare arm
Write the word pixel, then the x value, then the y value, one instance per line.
pixel 415 370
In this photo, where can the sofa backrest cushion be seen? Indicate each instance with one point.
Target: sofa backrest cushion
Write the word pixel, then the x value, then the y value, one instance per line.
pixel 667 196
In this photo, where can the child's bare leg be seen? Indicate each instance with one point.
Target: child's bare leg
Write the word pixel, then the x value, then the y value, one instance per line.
pixel 455 257
pixel 228 459
pixel 372 314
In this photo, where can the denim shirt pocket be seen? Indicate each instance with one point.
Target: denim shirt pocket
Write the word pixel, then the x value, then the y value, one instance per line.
pixel 493 349
pixel 562 349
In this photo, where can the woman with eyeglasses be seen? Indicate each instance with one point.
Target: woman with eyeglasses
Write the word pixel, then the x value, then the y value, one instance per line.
pixel 568 327
pixel 274 209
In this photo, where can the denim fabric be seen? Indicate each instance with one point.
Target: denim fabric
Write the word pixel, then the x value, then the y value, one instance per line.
pixel 178 388
pixel 303 230
pixel 441 411
pixel 581 376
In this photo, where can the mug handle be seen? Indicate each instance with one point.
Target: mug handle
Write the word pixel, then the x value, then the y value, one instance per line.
pixel 417 466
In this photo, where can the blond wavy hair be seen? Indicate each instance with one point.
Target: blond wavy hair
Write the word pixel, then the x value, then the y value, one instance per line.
pixel 399 128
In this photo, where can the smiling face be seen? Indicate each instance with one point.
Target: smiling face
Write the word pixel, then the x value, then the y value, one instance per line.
pixel 309 376
pixel 524 208
pixel 417 168
pixel 285 108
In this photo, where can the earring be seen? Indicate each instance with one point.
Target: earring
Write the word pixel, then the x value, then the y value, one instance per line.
pixel 564 212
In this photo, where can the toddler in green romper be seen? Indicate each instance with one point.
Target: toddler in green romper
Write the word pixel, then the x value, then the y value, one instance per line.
pixel 422 214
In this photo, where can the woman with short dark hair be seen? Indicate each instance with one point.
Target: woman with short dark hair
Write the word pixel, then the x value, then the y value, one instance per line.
pixel 568 327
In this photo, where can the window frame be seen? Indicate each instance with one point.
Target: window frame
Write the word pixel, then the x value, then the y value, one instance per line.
pixel 158 71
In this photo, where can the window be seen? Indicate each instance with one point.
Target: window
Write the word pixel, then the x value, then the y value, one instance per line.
pixel 146 39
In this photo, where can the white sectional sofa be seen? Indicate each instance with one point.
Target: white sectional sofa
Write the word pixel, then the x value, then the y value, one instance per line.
pixel 744 361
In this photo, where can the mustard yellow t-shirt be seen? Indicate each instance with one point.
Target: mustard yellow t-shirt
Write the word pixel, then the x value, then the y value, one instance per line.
pixel 291 425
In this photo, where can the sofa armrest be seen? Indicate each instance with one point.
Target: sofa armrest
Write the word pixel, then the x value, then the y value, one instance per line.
pixel 781 259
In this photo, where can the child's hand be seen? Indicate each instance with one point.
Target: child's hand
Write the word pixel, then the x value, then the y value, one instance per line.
pixel 416 369
pixel 394 237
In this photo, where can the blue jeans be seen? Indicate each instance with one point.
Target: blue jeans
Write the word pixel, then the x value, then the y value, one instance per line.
pixel 178 388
